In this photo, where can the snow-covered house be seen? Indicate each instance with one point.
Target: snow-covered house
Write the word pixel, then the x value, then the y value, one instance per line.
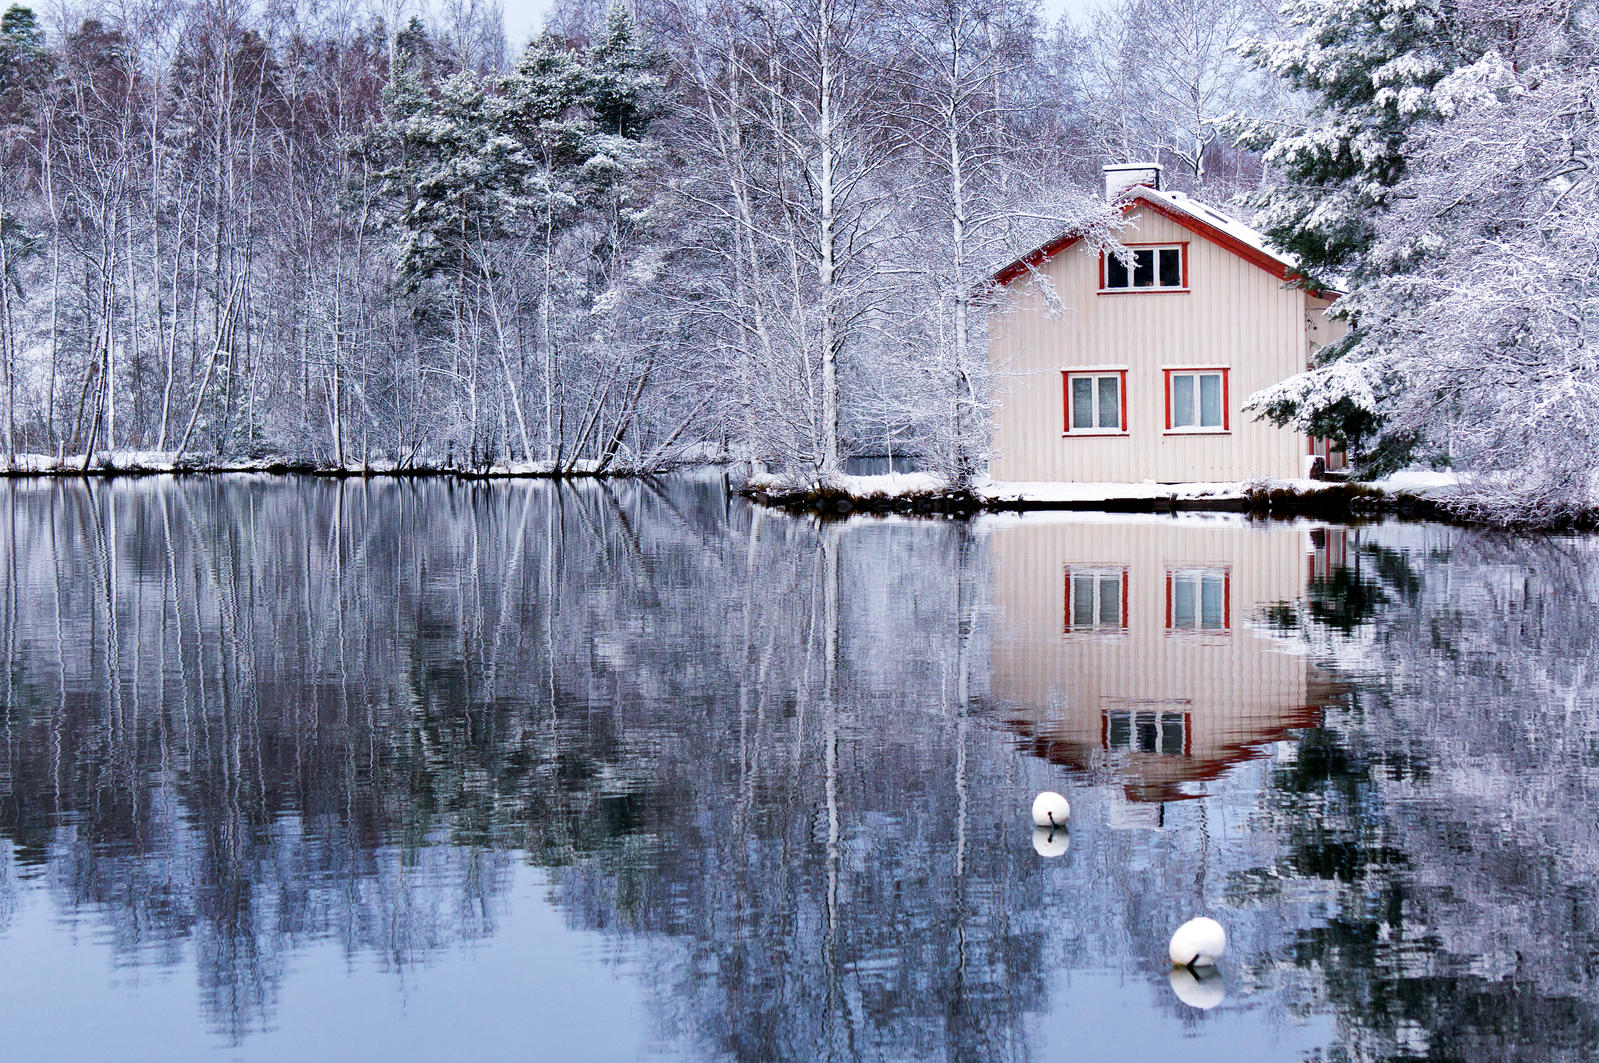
pixel 1128 372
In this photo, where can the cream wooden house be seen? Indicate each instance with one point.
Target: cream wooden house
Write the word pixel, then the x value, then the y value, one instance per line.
pixel 1132 372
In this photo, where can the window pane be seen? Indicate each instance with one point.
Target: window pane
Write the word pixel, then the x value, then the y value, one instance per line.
pixel 1212 595
pixel 1110 403
pixel 1182 400
pixel 1083 601
pixel 1119 730
pixel 1210 400
pixel 1171 734
pixel 1182 602
pixel 1147 731
pixel 1110 601
pixel 1144 268
pixel 1171 267
pixel 1115 272
pixel 1082 402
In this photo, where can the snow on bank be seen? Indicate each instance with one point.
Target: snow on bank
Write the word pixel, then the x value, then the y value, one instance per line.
pixel 157 461
pixel 1046 493
pixel 885 485
pixel 1420 482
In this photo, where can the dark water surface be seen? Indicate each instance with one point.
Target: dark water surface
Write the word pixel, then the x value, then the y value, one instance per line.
pixel 302 769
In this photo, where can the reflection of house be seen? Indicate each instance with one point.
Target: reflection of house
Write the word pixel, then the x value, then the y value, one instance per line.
pixel 1131 646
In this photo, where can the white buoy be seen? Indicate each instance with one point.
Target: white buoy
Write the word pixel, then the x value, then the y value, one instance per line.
pixel 1198 943
pixel 1199 987
pixel 1050 810
pixel 1050 842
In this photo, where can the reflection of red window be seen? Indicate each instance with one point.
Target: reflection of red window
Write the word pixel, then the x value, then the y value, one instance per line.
pixel 1199 600
pixel 1096 599
pixel 1329 551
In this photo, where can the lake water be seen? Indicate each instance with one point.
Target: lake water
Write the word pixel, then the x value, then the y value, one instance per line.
pixel 302 769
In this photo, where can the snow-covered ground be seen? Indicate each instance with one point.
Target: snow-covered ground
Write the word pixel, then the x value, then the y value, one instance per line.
pixel 158 461
pixel 885 485
pixel 1049 492
pixel 1421 482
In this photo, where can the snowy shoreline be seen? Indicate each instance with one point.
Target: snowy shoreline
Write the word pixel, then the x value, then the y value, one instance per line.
pixel 1416 494
pixel 1419 494
pixel 156 463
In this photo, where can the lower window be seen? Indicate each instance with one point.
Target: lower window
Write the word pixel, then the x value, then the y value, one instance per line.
pixel 1096 402
pixel 1196 400
pixel 1147 731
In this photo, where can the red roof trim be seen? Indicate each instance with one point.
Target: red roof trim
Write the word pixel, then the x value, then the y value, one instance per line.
pixel 1036 257
pixel 1270 263
pixel 1254 255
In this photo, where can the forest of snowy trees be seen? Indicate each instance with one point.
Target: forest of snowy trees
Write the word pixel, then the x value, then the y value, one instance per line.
pixel 354 234
pixel 342 234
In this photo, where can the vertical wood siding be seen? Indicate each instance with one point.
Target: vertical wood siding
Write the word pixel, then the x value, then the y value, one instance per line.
pixel 1235 314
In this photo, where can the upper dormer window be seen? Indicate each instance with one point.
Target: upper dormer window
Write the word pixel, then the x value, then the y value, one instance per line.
pixel 1154 267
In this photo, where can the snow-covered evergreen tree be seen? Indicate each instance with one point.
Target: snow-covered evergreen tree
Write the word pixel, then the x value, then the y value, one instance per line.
pixel 1457 196
pixel 1369 66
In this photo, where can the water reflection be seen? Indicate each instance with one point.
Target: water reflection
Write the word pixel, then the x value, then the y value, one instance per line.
pixel 1136 647
pixel 1448 809
pixel 780 772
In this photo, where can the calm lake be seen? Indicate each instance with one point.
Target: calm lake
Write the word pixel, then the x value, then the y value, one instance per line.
pixel 298 769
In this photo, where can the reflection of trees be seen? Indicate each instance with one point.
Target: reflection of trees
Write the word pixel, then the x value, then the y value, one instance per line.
pixel 244 714
pixel 1448 804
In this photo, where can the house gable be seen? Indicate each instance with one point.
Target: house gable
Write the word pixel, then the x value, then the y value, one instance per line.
pixel 1188 214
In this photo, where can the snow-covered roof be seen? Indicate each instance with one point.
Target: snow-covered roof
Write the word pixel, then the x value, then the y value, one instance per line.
pixel 1220 228
pixel 1245 234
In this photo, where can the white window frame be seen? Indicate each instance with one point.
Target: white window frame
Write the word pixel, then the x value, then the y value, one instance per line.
pixel 1108 256
pixel 1171 373
pixel 1119 373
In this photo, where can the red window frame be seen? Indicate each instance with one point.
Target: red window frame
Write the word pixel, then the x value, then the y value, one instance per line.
pixel 1329 552
pixel 1226 399
pixel 1105 289
pixel 1226 601
pixel 1066 401
pixel 1323 449
pixel 1097 570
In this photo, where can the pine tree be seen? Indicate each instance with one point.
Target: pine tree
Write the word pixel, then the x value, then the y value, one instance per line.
pixel 24 62
pixel 24 67
pixel 1369 68
pixel 621 83
pixel 1391 194
pixel 620 89
pixel 446 171
pixel 536 110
